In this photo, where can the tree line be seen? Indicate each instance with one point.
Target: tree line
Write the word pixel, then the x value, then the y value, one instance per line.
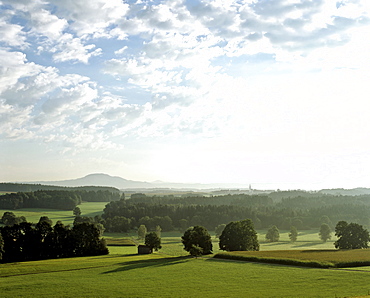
pixel 55 199
pixel 181 212
pixel 242 236
pixel 26 241
pixel 24 187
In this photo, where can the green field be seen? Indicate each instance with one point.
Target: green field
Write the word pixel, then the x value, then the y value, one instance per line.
pixel 172 273
pixel 126 274
pixel 33 214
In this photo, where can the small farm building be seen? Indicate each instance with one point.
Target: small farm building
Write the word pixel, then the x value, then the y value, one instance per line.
pixel 143 249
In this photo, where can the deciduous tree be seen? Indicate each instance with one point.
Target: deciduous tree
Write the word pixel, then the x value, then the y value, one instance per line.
pixel 153 241
pixel 293 234
pixel 351 236
pixel 141 231
pixel 273 234
pixel 325 232
pixel 197 236
pixel 76 211
pixel 239 235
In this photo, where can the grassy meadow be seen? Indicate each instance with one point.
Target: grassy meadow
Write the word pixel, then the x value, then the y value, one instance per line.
pixel 126 274
pixel 170 272
pixel 67 217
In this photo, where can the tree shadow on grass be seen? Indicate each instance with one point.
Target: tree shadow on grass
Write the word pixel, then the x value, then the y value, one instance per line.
pixel 309 244
pixel 160 262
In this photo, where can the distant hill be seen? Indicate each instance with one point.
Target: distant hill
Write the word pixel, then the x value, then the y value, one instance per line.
pixel 349 192
pixel 100 179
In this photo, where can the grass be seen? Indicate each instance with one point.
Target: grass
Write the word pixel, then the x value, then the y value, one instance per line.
pixel 119 242
pixel 310 258
pixel 66 216
pixel 172 273
pixel 160 275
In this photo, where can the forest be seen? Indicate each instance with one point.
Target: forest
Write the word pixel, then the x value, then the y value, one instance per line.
pixel 301 209
pixel 25 241
pixel 25 187
pixel 55 199
pixel 305 211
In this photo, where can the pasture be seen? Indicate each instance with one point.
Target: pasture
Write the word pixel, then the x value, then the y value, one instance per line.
pixel 66 216
pixel 125 274
pixel 172 273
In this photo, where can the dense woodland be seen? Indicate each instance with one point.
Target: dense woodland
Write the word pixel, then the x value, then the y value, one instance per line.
pixel 303 212
pixel 26 241
pixel 24 187
pixel 301 209
pixel 55 199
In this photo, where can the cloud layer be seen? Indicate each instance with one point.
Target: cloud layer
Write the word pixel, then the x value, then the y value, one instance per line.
pixel 96 75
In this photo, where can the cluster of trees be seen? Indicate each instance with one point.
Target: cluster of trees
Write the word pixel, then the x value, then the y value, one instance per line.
pixel 229 199
pixel 236 236
pixel 23 187
pixel 179 213
pixel 55 199
pixel 27 241
pixel 241 236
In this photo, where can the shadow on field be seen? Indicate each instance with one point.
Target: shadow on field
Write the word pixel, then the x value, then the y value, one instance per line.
pixel 309 244
pixel 130 265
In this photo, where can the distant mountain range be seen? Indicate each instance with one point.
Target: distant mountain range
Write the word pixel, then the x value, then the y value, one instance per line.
pixel 121 183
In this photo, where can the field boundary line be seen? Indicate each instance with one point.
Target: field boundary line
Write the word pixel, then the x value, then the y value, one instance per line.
pixel 54 271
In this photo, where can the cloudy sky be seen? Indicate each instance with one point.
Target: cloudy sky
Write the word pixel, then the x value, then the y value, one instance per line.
pixel 273 93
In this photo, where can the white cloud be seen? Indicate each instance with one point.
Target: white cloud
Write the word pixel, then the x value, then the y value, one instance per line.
pixel 13 67
pixel 91 18
pixel 47 24
pixel 69 48
pixel 12 34
pixel 268 78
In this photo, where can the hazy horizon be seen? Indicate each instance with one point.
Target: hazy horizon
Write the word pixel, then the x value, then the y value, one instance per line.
pixel 188 91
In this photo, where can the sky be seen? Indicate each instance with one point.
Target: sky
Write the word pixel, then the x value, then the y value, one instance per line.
pixel 272 93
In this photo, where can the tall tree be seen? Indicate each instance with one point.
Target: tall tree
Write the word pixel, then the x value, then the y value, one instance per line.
pixel 153 241
pixel 351 236
pixel 273 234
pixel 77 211
pixel 197 236
pixel 158 231
pixel 293 234
pixel 141 231
pixel 325 232
pixel 239 235
pixel 86 237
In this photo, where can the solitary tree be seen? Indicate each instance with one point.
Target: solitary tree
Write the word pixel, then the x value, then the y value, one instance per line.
pixel 141 232
pixel 239 235
pixel 153 241
pixel 325 232
pixel 351 236
pixel 273 234
pixel 197 236
pixel 293 234
pixel 77 211
pixel 158 231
